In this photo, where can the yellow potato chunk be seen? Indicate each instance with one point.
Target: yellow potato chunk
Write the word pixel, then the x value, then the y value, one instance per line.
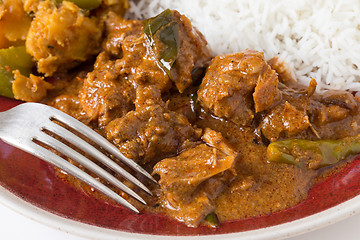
pixel 29 89
pixel 14 23
pixel 61 37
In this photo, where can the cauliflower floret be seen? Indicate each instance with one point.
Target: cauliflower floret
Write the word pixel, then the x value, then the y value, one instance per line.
pixel 61 37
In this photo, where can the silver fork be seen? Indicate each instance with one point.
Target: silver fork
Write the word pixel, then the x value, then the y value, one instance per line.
pixel 28 124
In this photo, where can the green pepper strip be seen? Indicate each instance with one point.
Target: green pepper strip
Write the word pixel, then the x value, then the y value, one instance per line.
pixel 164 28
pixel 330 151
pixel 10 59
pixel 84 4
pixel 212 220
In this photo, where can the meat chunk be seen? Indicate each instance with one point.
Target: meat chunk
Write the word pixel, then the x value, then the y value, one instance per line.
pixel 266 92
pixel 129 62
pixel 105 94
pixel 333 106
pixel 60 38
pixel 125 64
pixel 324 114
pixel 193 179
pixel 284 73
pixel 289 117
pixel 193 53
pixel 117 31
pixel 335 113
pixel 139 59
pixel 70 104
pixel 238 85
pixel 302 113
pixel 284 120
pixel 151 131
pixel 65 96
pixel 184 103
pixel 134 59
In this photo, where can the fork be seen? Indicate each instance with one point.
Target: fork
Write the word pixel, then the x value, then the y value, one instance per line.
pixel 27 127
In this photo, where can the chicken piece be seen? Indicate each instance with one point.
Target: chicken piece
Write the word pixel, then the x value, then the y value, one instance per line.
pixel 238 85
pixel 117 30
pixel 151 132
pixel 61 37
pixel 193 179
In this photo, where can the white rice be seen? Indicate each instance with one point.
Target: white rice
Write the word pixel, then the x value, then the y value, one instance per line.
pixel 316 38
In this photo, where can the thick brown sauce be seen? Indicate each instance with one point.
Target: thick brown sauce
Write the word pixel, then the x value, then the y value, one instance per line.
pixel 261 187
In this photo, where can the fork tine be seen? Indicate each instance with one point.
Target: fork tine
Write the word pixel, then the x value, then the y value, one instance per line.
pixel 88 148
pixel 66 166
pixel 69 152
pixel 101 141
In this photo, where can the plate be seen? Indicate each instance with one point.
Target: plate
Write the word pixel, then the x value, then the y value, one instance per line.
pixel 29 185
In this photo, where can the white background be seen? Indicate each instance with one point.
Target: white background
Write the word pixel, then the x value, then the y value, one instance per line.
pixel 14 226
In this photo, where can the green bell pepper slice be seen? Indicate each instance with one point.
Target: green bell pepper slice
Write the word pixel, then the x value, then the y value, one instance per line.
pixel 212 220
pixel 11 59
